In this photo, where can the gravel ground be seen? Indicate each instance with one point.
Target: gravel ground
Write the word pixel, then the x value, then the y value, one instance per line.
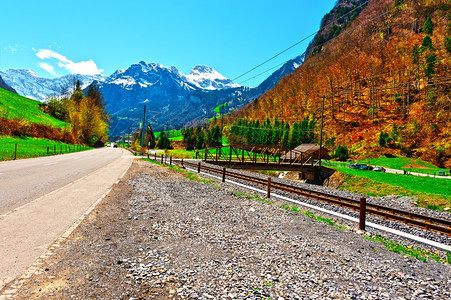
pixel 158 235
pixel 393 201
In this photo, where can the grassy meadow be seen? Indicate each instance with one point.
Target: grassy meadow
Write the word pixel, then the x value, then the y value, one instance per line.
pixel 13 106
pixel 431 192
pixel 28 147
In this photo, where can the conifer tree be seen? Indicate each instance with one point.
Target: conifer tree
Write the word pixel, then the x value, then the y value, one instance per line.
pixel 150 137
pixel 286 136
pixel 428 26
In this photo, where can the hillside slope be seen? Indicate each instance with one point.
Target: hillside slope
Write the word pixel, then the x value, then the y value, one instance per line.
pixel 389 72
pixel 5 86
pixel 13 106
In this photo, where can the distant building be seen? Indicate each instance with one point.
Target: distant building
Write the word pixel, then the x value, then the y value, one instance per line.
pixel 304 152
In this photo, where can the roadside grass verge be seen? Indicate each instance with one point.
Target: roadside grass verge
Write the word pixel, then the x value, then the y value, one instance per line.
pixel 418 253
pixel 434 193
pixel 28 147
pixel 179 153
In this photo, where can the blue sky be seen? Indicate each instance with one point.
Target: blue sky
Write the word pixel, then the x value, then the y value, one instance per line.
pixel 59 37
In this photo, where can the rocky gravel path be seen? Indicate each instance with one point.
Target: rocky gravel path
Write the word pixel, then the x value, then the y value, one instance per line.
pixel 158 235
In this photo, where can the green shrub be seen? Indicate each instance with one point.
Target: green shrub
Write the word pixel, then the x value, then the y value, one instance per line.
pixel 384 138
pixel 341 152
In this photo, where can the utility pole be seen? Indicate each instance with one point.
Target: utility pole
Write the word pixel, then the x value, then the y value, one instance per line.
pixel 222 117
pixel 143 132
pixel 321 133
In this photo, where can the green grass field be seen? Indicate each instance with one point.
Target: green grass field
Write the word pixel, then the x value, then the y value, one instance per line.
pixel 174 135
pixel 33 147
pixel 13 106
pixel 405 163
pixel 431 192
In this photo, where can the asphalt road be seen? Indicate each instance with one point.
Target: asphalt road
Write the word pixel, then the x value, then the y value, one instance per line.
pixel 42 200
pixel 22 181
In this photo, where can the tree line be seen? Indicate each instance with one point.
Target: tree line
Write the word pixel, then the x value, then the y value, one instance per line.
pixel 200 138
pixel 277 133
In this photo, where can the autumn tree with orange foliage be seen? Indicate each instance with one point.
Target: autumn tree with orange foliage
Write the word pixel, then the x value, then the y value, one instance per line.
pixel 86 114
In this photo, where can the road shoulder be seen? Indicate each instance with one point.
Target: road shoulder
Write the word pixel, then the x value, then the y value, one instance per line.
pixel 27 232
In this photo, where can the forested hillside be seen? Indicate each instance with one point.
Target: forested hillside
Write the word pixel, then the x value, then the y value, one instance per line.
pixel 385 82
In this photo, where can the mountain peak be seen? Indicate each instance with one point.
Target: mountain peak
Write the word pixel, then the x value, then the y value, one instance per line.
pixel 23 72
pixel 202 69
pixel 206 77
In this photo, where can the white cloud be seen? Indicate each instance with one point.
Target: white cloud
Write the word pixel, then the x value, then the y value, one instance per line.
pixel 84 67
pixel 48 68
pixel 47 53
pixel 12 48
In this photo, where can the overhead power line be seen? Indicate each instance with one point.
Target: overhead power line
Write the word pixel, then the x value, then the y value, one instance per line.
pixel 297 43
pixel 319 45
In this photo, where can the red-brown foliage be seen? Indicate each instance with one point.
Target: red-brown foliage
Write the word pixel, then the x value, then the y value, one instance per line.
pixel 20 127
pixel 369 81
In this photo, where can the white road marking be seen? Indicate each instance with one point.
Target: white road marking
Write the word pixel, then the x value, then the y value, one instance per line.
pixel 49 164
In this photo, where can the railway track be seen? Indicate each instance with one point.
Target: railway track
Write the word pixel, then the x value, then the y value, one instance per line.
pixel 442 226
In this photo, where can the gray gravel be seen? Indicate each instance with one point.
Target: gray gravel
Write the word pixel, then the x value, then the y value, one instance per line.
pixel 160 236
pixel 404 203
pixel 216 245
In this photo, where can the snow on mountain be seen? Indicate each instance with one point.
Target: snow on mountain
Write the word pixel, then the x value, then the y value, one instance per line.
pixel 27 83
pixel 148 74
pixel 140 75
pixel 209 79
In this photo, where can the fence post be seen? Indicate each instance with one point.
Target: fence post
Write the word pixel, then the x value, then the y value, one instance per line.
pixel 155 155
pixel 362 213
pixel 268 191
pixel 48 151
pixel 170 160
pixel 161 158
pixel 198 167
pixel 223 174
pixel 15 151
pixel 182 163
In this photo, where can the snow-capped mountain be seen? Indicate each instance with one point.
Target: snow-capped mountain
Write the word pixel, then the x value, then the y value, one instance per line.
pixel 146 75
pixel 27 83
pixel 160 88
pixel 175 97
pixel 209 79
